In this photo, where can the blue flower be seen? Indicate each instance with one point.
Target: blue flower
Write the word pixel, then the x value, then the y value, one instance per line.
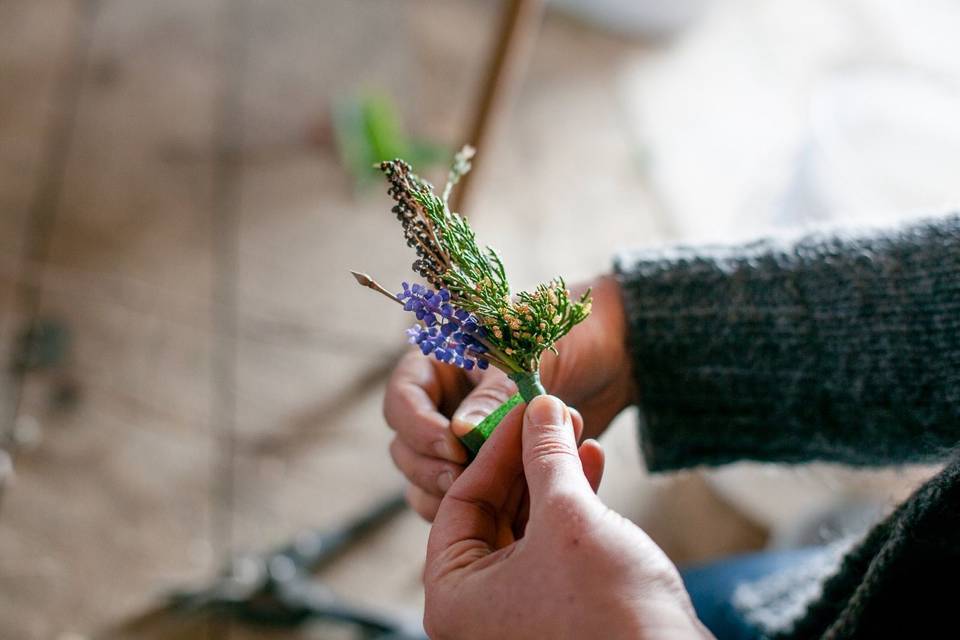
pixel 452 335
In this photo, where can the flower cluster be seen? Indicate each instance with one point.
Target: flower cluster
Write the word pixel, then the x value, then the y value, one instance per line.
pixel 524 326
pixel 452 335
pixel 471 318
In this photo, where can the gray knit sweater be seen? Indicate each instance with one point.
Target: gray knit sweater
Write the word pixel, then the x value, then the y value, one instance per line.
pixel 844 349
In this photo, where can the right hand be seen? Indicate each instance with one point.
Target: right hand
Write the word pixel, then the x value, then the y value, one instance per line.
pixel 429 404
pixel 485 580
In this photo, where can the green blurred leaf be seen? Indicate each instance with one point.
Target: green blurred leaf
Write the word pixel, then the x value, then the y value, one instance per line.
pixel 369 130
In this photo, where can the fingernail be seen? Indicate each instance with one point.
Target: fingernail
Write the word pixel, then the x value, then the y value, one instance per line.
pixel 544 410
pixel 472 417
pixel 462 425
pixel 444 481
pixel 445 450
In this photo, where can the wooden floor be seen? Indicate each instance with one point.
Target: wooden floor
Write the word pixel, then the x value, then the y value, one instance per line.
pixel 168 191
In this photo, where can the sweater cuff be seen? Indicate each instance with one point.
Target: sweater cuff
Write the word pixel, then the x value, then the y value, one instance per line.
pixel 841 348
pixel 694 316
pixel 660 445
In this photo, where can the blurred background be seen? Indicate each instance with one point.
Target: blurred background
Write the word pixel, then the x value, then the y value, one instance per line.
pixel 190 377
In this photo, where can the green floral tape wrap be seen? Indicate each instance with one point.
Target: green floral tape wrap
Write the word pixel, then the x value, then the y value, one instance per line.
pixel 529 387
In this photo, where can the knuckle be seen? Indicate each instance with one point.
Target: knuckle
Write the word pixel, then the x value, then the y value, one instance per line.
pixel 395 451
pixel 549 448
pixel 395 405
pixel 409 435
pixel 421 471
pixel 569 519
pixel 407 462
pixel 425 512
pixel 389 407
pixel 393 392
pixel 428 477
pixel 424 479
pixel 423 505
pixel 567 505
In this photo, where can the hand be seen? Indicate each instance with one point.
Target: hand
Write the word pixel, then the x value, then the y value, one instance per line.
pixel 592 373
pixel 579 570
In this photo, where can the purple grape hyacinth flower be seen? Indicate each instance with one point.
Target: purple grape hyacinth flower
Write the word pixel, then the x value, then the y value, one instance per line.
pixel 452 335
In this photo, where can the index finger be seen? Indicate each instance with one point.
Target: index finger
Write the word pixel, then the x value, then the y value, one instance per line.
pixel 410 407
pixel 471 508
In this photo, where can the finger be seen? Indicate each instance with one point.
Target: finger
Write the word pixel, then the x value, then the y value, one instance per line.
pixel 422 502
pixel 577 423
pixel 522 511
pixel 551 462
pixel 432 475
pixel 410 409
pixel 522 515
pixel 514 510
pixel 510 512
pixel 592 459
pixel 494 389
pixel 473 506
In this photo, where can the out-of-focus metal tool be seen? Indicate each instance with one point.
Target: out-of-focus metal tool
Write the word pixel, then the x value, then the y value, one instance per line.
pixel 278 588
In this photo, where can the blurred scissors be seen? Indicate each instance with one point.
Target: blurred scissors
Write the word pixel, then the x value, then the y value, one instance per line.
pixel 278 589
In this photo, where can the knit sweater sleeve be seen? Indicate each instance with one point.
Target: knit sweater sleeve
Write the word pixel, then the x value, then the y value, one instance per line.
pixel 834 348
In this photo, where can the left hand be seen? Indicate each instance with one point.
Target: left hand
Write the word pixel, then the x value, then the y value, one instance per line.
pixel 429 404
pixel 575 570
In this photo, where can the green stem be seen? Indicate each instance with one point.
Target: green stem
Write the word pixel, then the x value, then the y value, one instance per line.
pixel 529 385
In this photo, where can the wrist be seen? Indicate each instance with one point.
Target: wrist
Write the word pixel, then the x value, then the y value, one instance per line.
pixel 672 621
pixel 658 618
pixel 593 372
pixel 608 299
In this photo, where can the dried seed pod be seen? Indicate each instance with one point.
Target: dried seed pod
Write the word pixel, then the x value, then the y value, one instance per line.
pixel 416 229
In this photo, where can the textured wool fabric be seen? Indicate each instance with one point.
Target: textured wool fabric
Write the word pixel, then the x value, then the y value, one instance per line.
pixel 844 348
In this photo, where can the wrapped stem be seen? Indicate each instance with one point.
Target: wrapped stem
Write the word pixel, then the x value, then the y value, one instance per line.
pixel 529 385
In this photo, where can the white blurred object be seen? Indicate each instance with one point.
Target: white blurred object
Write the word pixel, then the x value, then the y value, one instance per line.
pixel 27 432
pixel 791 113
pixel 656 18
pixel 884 145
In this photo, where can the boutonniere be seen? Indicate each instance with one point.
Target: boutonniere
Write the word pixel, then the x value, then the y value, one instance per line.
pixel 467 314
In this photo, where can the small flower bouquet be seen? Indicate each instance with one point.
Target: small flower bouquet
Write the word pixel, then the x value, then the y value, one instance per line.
pixel 467 315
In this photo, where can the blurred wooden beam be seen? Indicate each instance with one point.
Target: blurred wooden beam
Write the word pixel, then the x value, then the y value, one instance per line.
pixel 508 60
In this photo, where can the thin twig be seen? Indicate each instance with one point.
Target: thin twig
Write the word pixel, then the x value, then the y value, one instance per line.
pixel 368 282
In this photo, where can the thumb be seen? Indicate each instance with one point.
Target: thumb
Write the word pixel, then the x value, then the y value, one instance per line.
pixel 551 461
pixel 494 389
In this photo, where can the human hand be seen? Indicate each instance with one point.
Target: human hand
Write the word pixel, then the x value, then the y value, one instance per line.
pixel 428 404
pixel 577 569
